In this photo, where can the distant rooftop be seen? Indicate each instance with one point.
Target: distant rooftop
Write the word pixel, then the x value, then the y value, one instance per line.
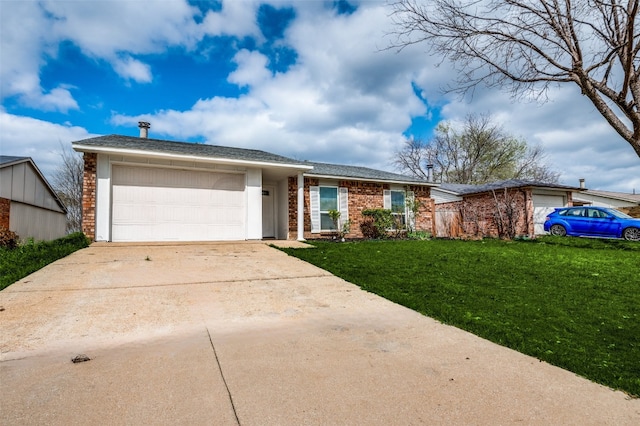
pixel 463 189
pixel 5 160
pixel 634 198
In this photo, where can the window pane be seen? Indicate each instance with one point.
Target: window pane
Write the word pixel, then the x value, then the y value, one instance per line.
pixel 326 224
pixel 328 199
pixel 397 201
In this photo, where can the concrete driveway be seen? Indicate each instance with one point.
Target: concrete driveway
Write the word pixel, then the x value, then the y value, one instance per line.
pixel 224 334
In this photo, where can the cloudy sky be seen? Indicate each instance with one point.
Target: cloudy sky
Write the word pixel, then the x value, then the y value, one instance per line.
pixel 310 80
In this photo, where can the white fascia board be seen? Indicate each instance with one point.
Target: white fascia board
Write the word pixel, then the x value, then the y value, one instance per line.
pixel 397 182
pixel 218 160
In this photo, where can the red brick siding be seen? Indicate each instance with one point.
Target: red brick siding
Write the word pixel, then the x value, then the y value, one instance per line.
pixel 89 195
pixel 476 214
pixel 5 212
pixel 362 195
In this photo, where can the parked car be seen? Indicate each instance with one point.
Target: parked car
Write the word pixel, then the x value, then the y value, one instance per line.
pixel 592 222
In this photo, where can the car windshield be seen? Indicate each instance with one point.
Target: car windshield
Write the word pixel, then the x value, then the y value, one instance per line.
pixel 618 214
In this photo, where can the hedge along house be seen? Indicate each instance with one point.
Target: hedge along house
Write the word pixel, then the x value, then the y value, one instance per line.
pixel 28 204
pixel 506 208
pixel 141 189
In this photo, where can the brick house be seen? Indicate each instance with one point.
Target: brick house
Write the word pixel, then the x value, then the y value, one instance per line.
pixel 510 207
pixel 142 189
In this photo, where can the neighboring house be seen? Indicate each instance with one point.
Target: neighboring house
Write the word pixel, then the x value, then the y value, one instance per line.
pixel 482 210
pixel 28 205
pixel 628 203
pixel 140 189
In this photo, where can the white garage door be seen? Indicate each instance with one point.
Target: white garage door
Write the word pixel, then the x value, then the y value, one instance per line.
pixel 159 204
pixel 542 206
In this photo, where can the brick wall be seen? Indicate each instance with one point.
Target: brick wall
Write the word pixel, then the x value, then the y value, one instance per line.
pixel 89 195
pixel 5 211
pixel 478 216
pixel 362 195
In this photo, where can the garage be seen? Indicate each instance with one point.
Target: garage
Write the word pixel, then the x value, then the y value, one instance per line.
pixel 171 204
pixel 542 206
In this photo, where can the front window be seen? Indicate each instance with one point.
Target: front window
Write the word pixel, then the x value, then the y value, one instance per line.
pixel 328 201
pixel 398 206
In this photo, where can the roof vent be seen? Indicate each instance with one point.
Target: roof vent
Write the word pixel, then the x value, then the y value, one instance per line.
pixel 582 186
pixel 144 129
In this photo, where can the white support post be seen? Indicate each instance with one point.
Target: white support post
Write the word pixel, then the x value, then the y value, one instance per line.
pixel 300 207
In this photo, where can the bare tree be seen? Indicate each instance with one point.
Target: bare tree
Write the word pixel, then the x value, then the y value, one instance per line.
pixel 528 45
pixel 67 182
pixel 479 152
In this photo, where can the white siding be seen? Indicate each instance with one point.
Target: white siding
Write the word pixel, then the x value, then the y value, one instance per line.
pixel 164 204
pixel 542 206
pixel 599 201
pixel 441 197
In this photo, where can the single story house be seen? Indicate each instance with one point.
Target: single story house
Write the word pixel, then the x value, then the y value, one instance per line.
pixel 28 204
pixel 628 203
pixel 142 189
pixel 517 206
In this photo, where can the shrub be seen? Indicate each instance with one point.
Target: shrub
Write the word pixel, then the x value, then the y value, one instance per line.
pixel 376 223
pixel 8 239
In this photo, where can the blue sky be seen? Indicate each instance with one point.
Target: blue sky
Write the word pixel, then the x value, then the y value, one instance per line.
pixel 306 79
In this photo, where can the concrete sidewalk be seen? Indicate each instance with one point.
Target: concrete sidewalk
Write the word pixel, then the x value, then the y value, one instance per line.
pixel 243 334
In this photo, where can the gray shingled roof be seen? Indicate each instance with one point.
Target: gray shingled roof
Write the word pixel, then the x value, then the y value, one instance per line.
pixel 7 159
pixel 338 170
pixel 185 148
pixel 462 189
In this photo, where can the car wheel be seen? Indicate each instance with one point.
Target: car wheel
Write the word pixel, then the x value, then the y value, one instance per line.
pixel 558 230
pixel 631 234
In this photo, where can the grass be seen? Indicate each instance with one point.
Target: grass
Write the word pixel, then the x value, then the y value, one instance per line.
pixel 571 302
pixel 27 258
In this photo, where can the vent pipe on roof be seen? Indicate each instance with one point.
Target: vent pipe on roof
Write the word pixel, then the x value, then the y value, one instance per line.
pixel 429 172
pixel 144 129
pixel 582 186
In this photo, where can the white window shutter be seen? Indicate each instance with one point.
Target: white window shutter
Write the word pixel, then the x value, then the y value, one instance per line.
pixel 314 202
pixel 343 205
pixel 387 199
pixel 411 220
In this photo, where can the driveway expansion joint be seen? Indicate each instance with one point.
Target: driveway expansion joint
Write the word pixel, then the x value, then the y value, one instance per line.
pixel 215 354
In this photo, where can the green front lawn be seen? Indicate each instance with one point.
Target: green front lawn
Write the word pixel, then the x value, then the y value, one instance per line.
pixel 19 262
pixel 572 302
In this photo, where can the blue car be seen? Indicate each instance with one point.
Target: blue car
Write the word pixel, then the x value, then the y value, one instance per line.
pixel 592 222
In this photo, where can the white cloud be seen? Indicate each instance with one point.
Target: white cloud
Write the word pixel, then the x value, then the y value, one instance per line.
pixel 252 69
pixel 132 69
pixel 236 18
pixel 345 99
pixel 38 139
